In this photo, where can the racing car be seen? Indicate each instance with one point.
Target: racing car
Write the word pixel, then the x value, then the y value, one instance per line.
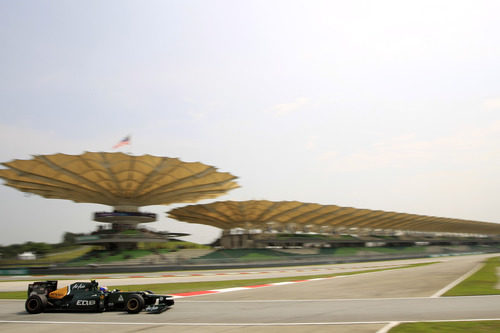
pixel 89 297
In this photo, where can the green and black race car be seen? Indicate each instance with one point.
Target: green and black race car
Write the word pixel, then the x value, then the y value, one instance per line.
pixel 88 297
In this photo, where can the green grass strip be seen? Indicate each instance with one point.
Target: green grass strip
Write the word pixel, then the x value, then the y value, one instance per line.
pixel 489 326
pixel 483 282
pixel 182 287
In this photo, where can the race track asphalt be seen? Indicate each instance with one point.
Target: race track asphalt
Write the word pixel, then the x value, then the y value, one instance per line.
pixel 19 283
pixel 356 303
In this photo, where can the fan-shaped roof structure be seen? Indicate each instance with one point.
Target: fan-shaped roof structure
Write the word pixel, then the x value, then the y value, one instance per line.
pixel 117 179
pixel 259 213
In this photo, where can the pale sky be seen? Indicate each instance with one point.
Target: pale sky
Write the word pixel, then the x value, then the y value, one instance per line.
pixel 390 105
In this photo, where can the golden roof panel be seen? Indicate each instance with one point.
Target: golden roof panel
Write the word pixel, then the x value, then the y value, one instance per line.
pixel 117 179
pixel 258 213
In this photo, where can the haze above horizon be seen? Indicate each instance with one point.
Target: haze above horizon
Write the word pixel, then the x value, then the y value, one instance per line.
pixel 383 105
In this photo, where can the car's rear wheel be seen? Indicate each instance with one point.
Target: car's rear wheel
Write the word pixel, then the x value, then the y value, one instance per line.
pixel 36 303
pixel 135 304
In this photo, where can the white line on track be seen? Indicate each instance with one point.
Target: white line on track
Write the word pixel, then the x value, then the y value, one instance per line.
pixel 457 281
pixel 211 292
pixel 232 324
pixel 439 293
pixel 282 283
pixel 227 290
pixel 389 326
pixel 326 299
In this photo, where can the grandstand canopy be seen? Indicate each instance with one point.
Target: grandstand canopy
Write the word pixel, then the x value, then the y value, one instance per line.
pixel 260 213
pixel 117 179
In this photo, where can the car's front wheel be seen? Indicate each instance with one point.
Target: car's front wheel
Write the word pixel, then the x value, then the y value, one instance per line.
pixel 135 304
pixel 36 303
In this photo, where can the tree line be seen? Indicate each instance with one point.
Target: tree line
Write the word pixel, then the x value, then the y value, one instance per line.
pixel 40 248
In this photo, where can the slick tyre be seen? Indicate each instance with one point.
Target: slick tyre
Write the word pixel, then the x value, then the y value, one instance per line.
pixel 135 304
pixel 36 303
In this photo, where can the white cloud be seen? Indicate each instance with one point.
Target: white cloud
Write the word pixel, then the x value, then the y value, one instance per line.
pixel 198 115
pixel 312 143
pixel 287 108
pixel 328 156
pixel 469 146
pixel 492 104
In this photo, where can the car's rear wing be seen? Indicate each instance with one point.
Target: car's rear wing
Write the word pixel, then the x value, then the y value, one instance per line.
pixel 41 287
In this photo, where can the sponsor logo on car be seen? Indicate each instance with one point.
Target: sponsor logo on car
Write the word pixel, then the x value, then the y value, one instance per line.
pixel 84 302
pixel 79 286
pixel 152 308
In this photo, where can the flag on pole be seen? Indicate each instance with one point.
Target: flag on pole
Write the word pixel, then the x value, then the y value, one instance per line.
pixel 123 142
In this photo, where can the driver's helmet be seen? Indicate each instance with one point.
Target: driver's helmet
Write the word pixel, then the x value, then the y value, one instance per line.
pixel 103 289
